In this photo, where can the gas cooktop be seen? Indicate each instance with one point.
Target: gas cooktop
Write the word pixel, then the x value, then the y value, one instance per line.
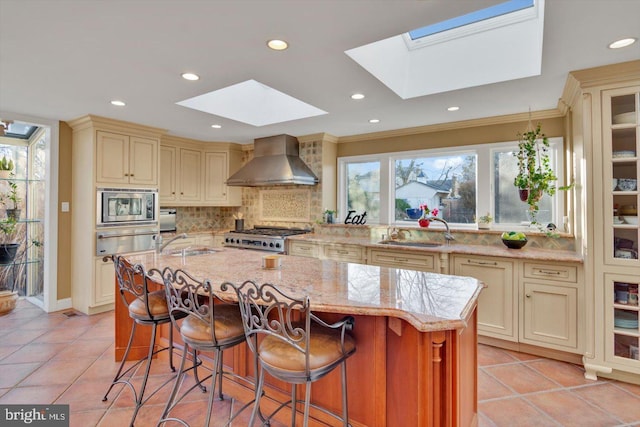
pixel 263 238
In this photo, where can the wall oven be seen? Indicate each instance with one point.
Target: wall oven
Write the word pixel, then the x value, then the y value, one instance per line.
pixel 117 206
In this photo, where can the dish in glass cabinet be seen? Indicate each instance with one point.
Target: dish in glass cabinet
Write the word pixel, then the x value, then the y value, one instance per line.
pixel 629 117
pixel 627 184
pixel 623 153
pixel 633 220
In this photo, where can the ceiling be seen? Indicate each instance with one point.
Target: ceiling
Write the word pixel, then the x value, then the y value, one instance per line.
pixel 63 59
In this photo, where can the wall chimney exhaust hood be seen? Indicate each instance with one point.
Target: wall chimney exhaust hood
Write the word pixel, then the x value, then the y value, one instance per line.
pixel 276 161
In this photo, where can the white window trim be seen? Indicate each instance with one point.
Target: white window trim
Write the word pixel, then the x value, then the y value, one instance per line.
pixel 484 168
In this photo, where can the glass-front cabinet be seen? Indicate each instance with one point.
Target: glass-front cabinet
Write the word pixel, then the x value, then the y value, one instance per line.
pixel 621 171
pixel 622 315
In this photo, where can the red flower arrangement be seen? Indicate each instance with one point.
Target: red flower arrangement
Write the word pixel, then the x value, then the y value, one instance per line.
pixel 426 212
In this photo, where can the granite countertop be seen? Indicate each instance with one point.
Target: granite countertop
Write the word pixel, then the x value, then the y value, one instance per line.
pixel 427 301
pixel 530 253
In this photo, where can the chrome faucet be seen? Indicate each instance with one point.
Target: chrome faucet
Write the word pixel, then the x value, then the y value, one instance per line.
pixel 447 235
pixel 160 246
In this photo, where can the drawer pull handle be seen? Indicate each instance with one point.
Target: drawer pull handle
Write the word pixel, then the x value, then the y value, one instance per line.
pixel 528 295
pixel 303 248
pixel 549 272
pixel 342 252
pixel 401 259
pixel 470 261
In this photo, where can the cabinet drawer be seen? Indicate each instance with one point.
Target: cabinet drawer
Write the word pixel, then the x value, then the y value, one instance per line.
pixel 344 253
pixel 303 249
pixel 563 273
pixel 422 262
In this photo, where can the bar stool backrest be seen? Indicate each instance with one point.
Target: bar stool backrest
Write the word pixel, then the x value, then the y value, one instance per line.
pixel 268 311
pixel 133 282
pixel 187 296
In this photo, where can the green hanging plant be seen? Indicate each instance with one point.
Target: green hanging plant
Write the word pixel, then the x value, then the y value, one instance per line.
pixel 535 176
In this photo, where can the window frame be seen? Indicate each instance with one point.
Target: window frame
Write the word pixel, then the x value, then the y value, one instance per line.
pixel 484 174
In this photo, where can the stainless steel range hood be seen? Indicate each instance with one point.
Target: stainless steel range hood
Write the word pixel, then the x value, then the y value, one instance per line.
pixel 276 161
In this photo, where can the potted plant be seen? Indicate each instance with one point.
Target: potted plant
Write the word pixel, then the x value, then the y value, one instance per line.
pixel 329 216
pixel 484 222
pixel 12 267
pixel 535 174
pixel 11 198
pixel 6 166
pixel 426 214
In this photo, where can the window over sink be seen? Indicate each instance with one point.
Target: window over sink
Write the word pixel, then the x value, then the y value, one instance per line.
pixel 463 183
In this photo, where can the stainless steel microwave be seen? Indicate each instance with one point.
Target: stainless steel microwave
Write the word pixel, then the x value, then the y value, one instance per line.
pixel 117 206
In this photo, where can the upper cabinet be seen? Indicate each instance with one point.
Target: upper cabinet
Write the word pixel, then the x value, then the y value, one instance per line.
pixel 124 159
pixel 194 173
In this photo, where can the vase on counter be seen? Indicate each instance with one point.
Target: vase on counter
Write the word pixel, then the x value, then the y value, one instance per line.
pixel 424 222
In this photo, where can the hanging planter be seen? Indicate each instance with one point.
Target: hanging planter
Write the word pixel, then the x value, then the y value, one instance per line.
pixel 535 176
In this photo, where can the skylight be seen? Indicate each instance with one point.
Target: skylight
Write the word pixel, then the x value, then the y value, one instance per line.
pixel 471 18
pixel 253 103
pixel 19 130
pixel 484 47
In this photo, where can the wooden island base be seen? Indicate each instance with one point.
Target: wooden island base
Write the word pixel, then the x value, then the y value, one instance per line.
pixel 397 377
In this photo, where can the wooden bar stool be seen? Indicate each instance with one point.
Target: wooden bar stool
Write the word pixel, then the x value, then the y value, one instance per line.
pixel 145 307
pixel 206 322
pixel 298 352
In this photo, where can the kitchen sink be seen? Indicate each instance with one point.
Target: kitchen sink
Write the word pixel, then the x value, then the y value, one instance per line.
pixel 192 252
pixel 409 243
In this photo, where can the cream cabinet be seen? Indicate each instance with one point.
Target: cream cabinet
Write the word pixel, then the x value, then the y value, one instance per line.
pixel 306 249
pixel 104 284
pixel 552 301
pixel 189 175
pixel 125 159
pixel 168 161
pixel 112 154
pixel 498 302
pixel 342 252
pixel 217 166
pixel 404 259
pixel 194 174
pixel 603 105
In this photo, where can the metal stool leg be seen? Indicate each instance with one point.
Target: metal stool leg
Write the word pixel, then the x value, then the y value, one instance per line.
pixel 140 398
pixel 345 406
pixel 124 360
pixel 293 405
pixel 176 386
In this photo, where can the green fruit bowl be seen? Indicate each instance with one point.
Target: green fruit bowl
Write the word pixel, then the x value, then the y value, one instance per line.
pixel 514 244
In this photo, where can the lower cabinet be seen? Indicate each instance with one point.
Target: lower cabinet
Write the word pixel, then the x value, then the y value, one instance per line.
pixel 552 300
pixel 403 259
pixel 498 302
pixel 550 316
pixel 104 285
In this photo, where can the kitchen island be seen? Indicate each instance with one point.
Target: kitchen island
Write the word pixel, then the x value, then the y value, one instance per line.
pixel 416 358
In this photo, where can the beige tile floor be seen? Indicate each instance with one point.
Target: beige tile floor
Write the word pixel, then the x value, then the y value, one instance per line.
pixel 53 358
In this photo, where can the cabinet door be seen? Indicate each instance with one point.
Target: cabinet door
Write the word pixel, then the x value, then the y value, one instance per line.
pixel 143 161
pixel 167 192
pixel 215 175
pixel 190 175
pixel 104 285
pixel 112 158
pixel 498 304
pixel 550 316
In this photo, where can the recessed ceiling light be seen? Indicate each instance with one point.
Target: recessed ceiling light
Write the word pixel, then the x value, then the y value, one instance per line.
pixel 276 44
pixel 190 76
pixel 118 103
pixel 622 43
pixel 216 126
pixel 454 108
pixel 357 96
pixel 374 121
